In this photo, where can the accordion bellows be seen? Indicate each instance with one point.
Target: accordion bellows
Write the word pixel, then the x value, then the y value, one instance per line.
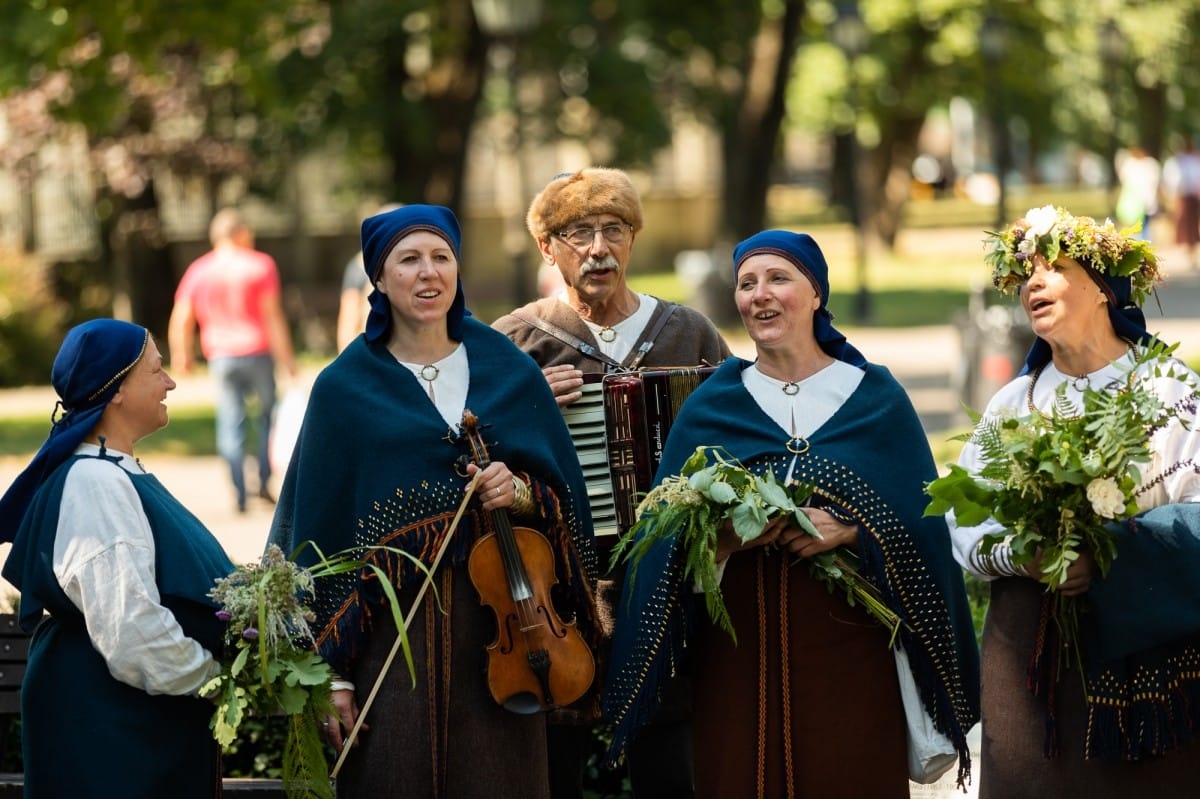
pixel 620 427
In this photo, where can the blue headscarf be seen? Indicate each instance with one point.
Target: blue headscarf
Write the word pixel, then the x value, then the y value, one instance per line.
pixel 1127 319
pixel 382 232
pixel 802 252
pixel 88 370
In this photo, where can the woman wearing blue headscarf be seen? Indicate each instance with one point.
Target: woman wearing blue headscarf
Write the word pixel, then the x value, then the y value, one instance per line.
pixel 807 703
pixel 1082 284
pixel 114 576
pixel 379 461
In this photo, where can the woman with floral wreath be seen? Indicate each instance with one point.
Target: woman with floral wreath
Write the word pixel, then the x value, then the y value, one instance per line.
pixel 1125 729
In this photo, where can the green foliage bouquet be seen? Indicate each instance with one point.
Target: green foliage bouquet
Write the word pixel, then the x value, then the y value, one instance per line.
pixel 1056 481
pixel 713 487
pixel 274 667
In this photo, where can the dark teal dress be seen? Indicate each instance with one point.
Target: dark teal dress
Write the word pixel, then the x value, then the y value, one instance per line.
pixel 84 733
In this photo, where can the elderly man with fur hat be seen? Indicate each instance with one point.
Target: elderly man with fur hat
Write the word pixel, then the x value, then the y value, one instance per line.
pixel 585 224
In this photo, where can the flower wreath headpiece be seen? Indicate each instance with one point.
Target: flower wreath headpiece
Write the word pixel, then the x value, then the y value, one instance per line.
pixel 1053 232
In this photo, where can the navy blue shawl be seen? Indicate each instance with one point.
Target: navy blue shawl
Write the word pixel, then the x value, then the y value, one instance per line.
pixel 1141 638
pixel 872 459
pixel 374 464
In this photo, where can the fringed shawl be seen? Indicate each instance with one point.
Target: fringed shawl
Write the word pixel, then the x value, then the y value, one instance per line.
pixel 374 464
pixel 871 459
pixel 1142 639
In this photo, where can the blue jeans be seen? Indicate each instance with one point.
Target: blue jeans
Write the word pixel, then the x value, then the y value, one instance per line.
pixel 239 378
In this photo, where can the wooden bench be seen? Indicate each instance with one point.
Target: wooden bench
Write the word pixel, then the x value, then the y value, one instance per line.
pixel 14 651
pixel 12 787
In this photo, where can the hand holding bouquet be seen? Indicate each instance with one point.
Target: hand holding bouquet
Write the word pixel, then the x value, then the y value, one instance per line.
pixel 1055 480
pixel 275 668
pixel 713 488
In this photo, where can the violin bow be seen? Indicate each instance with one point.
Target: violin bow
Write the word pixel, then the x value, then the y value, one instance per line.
pixel 387 664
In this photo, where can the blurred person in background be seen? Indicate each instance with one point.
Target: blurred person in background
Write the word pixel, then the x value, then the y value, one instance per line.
pixel 1140 175
pixel 353 303
pixel 1181 183
pixel 232 293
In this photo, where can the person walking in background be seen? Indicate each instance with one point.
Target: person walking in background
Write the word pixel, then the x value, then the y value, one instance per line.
pixel 1181 183
pixel 1119 721
pixel 381 462
pixel 1137 203
pixel 585 224
pixel 114 576
pixel 232 293
pixel 808 701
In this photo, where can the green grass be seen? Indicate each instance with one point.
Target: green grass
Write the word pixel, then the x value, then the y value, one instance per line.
pixel 800 207
pixel 904 290
pixel 191 432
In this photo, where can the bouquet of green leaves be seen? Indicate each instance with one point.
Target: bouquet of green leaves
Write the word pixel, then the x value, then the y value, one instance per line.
pixel 713 487
pixel 275 668
pixel 1056 480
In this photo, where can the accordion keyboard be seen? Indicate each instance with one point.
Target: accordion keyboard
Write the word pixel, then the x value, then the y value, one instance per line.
pixel 585 420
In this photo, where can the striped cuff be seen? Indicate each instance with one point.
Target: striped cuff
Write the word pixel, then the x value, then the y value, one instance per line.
pixel 997 562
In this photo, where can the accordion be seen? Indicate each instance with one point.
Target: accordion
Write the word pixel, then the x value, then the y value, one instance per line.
pixel 620 427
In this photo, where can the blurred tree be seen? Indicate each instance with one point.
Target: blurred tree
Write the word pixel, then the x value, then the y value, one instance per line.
pixel 156 86
pixel 924 52
pixel 397 83
pixel 241 88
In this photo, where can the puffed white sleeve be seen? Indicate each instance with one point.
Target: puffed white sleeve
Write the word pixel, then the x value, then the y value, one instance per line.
pixel 104 561
pixel 1176 447
pixel 965 541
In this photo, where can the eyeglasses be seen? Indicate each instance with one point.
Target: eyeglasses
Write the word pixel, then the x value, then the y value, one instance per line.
pixel 613 233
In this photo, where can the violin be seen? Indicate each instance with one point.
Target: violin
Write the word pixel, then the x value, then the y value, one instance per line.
pixel 538 662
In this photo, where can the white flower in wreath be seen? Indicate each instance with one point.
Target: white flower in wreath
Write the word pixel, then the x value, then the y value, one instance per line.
pixel 1106 497
pixel 1041 221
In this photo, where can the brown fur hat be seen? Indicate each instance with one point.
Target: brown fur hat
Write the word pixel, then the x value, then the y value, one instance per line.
pixel 591 191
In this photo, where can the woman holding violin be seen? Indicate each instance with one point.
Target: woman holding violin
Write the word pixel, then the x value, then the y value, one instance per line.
pixel 384 459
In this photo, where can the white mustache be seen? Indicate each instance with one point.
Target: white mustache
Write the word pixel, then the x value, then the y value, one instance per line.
pixel 591 265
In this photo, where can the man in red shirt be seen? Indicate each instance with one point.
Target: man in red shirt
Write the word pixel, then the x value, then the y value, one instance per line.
pixel 232 294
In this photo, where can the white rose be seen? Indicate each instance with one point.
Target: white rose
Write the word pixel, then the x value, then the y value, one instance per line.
pixel 1106 497
pixel 1041 220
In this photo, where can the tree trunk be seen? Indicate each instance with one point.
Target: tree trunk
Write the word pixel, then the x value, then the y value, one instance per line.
pixel 431 164
pixel 887 174
pixel 751 134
